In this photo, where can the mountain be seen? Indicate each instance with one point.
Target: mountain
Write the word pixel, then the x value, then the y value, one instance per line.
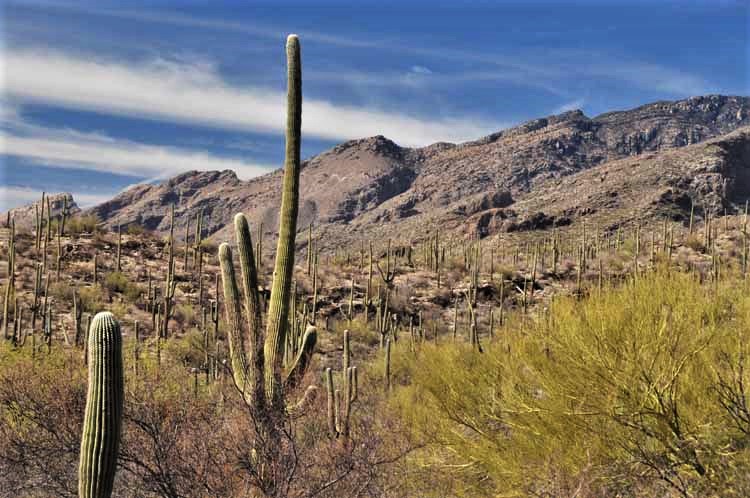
pixel 649 161
pixel 25 216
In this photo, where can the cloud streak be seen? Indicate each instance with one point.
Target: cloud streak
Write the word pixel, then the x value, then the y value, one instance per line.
pixel 196 93
pixel 97 152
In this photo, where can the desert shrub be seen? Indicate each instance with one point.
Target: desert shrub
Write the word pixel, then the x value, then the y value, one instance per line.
pixel 695 242
pixel 62 291
pixel 209 247
pixel 187 350
pixel 23 245
pixel 173 443
pixel 82 224
pixel 186 315
pixel 361 332
pixel 135 229
pixel 92 298
pixel 41 407
pixel 621 393
pixel 119 282
pixel 177 442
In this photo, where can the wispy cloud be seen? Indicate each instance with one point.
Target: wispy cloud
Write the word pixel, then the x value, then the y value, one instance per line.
pixel 648 76
pixel 551 70
pixel 196 93
pixel 218 24
pixel 67 148
pixel 565 77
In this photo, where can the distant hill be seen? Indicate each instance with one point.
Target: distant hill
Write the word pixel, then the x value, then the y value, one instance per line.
pixel 649 161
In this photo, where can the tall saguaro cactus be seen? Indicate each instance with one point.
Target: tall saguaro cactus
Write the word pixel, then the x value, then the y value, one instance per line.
pixel 257 356
pixel 278 309
pixel 103 418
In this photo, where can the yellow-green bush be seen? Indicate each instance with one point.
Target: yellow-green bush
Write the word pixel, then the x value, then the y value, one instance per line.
pixel 82 224
pixel 638 390
pixel 119 282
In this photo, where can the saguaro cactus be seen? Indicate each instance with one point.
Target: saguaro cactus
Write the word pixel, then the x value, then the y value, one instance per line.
pixel 340 410
pixel 103 419
pixel 256 358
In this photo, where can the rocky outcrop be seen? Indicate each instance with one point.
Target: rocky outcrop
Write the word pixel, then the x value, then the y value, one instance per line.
pixel 24 216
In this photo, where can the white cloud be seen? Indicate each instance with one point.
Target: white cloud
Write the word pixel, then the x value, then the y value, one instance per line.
pixel 69 148
pixel 195 93
pixel 421 70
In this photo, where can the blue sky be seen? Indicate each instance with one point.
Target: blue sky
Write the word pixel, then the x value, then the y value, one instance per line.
pixel 97 96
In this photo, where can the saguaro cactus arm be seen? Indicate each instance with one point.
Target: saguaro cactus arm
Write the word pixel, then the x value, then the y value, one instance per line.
pixel 302 361
pixel 249 279
pixel 103 418
pixel 244 377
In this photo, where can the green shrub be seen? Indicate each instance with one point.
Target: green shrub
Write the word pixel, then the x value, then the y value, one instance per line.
pixel 119 282
pixel 92 299
pixel 62 291
pixel 82 224
pixel 641 387
pixel 186 315
pixel 135 229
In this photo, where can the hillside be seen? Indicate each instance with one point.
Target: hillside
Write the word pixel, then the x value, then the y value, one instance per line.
pixel 530 176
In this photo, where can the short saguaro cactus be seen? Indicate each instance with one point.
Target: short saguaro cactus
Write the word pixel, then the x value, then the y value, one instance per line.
pixel 103 419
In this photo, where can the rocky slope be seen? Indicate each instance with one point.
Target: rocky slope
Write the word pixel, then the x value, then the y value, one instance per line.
pixel 648 161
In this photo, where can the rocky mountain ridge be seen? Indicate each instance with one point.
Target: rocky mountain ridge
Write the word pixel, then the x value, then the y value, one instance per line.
pixel 546 172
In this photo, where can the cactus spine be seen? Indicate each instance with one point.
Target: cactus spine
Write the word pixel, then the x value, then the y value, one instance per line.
pixel 103 418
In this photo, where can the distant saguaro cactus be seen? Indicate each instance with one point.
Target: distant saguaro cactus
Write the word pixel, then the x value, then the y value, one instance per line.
pixel 103 418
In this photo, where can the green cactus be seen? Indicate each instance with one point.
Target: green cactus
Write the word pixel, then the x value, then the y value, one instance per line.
pixel 309 248
pixel 64 214
pixel 39 218
pixel 169 280
pixel 58 256
pixel 350 314
pixel 103 419
pixel 387 361
pixel 256 358
pixel 119 248
pixel 77 313
pixel 187 245
pixel 10 288
pixel 338 415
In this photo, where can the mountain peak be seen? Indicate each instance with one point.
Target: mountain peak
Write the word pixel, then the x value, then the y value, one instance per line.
pixel 374 186
pixel 377 144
